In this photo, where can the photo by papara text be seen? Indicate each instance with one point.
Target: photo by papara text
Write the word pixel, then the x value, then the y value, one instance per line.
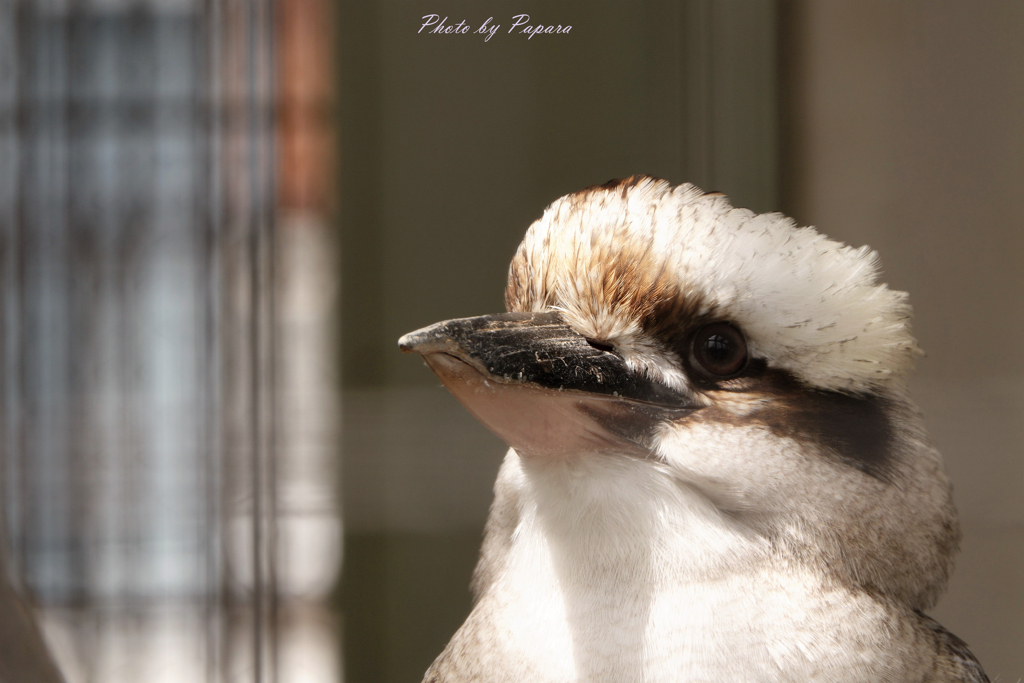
pixel 433 23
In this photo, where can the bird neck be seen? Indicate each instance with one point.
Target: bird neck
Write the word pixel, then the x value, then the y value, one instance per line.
pixel 601 550
pixel 628 519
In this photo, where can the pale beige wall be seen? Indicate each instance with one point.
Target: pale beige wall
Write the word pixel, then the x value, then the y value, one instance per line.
pixel 906 132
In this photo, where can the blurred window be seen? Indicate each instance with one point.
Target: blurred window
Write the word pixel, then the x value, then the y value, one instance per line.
pixel 167 457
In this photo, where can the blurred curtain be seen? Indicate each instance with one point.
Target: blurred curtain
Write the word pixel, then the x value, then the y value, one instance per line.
pixel 166 496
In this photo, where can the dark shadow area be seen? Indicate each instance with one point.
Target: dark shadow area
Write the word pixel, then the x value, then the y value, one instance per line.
pixel 403 595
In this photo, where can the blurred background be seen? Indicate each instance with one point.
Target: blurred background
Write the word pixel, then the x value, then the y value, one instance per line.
pixel 218 216
pixel 169 406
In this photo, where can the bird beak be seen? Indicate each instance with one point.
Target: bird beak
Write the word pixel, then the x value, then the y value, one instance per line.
pixel 543 388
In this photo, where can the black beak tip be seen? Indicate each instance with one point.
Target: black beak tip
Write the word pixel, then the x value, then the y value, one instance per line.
pixel 425 340
pixel 407 343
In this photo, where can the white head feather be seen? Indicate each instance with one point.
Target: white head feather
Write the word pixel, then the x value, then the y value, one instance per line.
pixel 807 304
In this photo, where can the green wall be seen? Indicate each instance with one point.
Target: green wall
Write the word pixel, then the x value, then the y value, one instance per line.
pixel 450 147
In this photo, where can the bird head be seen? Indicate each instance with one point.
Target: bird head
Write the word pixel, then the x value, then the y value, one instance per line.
pixel 745 359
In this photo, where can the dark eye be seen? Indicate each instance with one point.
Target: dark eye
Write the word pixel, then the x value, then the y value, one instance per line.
pixel 720 350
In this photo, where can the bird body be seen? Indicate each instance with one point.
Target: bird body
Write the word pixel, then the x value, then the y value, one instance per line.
pixel 715 470
pixel 581 593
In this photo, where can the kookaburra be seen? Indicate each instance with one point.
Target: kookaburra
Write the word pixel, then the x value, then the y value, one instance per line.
pixel 715 473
